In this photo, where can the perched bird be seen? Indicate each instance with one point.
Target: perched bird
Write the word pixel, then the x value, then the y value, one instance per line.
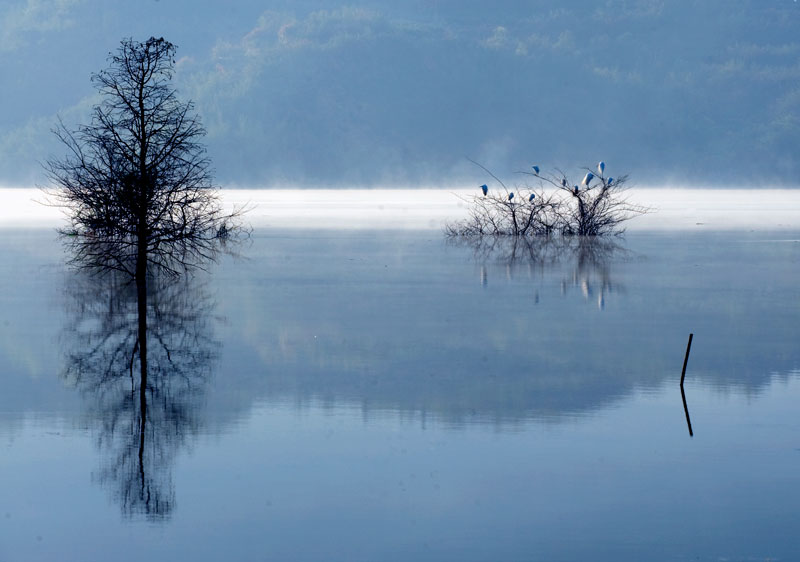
pixel 587 178
pixel 485 189
pixel 510 196
pixel 564 182
pixel 576 190
pixel 600 167
pixel 532 197
pixel 610 180
pixel 536 169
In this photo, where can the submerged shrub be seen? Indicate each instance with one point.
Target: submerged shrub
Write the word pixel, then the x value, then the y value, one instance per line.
pixel 596 207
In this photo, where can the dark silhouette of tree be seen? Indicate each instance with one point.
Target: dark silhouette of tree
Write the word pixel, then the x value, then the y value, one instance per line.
pixel 596 207
pixel 136 182
pixel 520 216
pixel 142 366
pixel 137 188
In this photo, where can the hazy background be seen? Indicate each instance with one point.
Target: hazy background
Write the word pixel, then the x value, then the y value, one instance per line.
pixel 378 93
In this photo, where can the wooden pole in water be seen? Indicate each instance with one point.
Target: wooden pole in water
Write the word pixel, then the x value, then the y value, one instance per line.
pixel 686 358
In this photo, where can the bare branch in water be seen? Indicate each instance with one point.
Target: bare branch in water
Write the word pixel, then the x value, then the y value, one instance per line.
pixel 595 207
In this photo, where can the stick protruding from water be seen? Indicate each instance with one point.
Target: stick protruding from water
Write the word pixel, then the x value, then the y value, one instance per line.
pixel 686 358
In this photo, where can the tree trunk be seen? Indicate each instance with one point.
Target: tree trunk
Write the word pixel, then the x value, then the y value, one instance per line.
pixel 142 231
pixel 141 297
pixel 141 294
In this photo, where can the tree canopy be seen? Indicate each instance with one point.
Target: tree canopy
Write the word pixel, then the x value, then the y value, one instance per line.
pixel 136 181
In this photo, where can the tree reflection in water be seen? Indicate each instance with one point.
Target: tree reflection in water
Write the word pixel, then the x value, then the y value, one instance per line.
pixel 589 256
pixel 141 360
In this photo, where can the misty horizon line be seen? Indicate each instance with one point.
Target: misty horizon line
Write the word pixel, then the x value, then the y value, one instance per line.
pixel 631 186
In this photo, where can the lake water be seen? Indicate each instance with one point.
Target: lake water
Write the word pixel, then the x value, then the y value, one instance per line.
pixel 372 394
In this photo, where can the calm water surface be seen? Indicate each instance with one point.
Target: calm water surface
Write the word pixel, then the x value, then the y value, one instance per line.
pixel 376 395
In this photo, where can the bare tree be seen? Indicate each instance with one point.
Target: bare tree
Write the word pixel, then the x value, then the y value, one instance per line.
pixel 597 207
pixel 524 213
pixel 138 190
pixel 136 181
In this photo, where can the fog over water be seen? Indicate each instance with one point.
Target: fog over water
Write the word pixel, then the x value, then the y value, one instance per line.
pixel 431 209
pixel 375 93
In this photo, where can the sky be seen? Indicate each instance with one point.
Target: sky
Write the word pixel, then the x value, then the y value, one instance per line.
pixel 372 93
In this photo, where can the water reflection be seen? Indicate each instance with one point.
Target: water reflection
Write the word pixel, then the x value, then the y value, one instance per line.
pixel 408 329
pixel 141 361
pixel 686 411
pixel 683 379
pixel 590 258
pixel 480 409
pixel 424 332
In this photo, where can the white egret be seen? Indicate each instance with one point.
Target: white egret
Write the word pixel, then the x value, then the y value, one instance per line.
pixel 510 196
pixel 610 180
pixel 564 182
pixel 587 178
pixel 532 197
pixel 576 190
pixel 600 167
pixel 485 189
pixel 536 169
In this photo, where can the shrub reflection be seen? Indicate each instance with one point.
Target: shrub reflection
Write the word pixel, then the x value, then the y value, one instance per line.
pixel 590 259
